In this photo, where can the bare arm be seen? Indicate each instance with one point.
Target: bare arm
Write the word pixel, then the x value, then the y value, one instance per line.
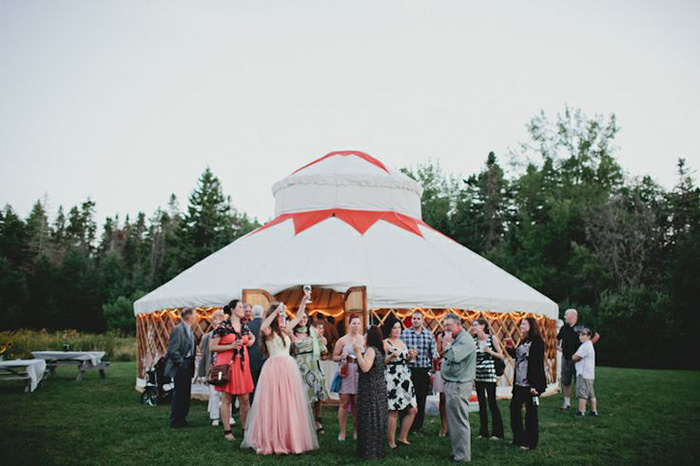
pixel 251 340
pixel 499 352
pixel 216 347
pixel 338 350
pixel 265 326
pixel 366 360
pixel 300 313
pixel 576 358
pixel 389 354
pixel 595 338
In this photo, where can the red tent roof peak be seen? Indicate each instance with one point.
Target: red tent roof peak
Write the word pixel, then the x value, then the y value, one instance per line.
pixel 362 155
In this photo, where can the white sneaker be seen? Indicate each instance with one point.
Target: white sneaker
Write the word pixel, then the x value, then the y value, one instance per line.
pixel 233 421
pixel 215 422
pixel 565 406
pixel 495 438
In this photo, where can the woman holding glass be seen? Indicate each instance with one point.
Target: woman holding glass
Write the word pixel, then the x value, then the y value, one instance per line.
pixel 346 355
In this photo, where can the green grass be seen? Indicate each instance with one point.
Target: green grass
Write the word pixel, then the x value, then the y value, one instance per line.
pixel 647 417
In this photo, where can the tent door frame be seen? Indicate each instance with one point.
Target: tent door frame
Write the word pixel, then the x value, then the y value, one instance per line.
pixel 355 303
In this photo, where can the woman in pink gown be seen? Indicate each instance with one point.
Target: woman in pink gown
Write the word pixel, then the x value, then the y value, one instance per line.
pixel 280 420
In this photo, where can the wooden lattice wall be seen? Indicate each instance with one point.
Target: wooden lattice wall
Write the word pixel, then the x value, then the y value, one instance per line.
pixel 502 325
pixel 153 332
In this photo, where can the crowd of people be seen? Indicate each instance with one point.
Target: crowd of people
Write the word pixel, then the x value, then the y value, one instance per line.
pixel 271 365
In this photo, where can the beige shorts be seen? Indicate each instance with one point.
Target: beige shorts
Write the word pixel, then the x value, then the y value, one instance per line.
pixel 584 388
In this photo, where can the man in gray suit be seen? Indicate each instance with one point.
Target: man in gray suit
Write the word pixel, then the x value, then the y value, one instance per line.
pixel 255 355
pixel 180 367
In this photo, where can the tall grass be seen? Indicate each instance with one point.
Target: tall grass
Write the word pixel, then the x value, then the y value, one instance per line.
pixel 116 346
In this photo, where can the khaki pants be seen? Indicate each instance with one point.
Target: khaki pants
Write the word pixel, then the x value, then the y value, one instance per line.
pixel 457 412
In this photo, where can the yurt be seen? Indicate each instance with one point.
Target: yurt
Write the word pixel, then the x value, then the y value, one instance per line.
pixel 350 227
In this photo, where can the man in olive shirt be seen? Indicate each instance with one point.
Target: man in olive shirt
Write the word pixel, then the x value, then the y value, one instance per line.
pixel 458 370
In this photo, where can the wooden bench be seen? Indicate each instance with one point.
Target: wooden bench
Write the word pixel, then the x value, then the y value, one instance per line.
pixel 17 373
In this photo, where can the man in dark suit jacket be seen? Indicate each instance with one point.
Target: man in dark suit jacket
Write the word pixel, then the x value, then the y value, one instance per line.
pixel 255 355
pixel 180 367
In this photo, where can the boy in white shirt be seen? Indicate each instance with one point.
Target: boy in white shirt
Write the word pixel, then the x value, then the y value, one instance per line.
pixel 585 373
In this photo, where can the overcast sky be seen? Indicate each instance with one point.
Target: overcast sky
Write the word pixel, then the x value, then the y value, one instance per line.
pixel 129 101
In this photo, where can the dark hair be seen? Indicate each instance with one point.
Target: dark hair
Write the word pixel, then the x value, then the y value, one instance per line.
pixel 188 311
pixel 228 309
pixel 374 338
pixel 389 324
pixel 274 327
pixel 485 323
pixel 354 316
pixel 534 332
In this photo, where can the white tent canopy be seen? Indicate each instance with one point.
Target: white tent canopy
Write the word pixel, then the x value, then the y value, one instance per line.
pixel 347 220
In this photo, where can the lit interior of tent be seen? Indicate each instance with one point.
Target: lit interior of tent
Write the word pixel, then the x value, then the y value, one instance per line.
pixel 350 227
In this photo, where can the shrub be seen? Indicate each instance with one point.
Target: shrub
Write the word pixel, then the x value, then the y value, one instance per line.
pixel 116 346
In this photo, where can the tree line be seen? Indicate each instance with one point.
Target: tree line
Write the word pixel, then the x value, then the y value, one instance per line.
pixel 569 222
pixel 58 274
pixel 560 214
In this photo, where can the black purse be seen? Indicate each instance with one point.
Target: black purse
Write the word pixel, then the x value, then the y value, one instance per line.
pixel 498 364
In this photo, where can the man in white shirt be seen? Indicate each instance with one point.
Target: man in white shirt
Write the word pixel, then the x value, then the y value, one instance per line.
pixel 585 373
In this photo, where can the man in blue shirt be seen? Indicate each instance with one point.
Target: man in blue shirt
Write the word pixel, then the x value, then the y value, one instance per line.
pixel 421 344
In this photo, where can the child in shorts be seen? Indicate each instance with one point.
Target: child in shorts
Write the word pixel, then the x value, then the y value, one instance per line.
pixel 585 373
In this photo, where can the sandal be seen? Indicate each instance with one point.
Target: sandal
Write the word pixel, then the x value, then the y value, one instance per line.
pixel 228 432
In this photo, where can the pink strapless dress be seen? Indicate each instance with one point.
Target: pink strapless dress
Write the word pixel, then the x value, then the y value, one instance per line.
pixel 280 420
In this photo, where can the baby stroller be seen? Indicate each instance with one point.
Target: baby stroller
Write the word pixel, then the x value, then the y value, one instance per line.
pixel 158 386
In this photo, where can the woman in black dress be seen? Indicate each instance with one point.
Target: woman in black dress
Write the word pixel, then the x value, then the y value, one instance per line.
pixel 529 382
pixel 372 405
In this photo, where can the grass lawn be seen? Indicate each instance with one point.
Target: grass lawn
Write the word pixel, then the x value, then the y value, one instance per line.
pixel 647 417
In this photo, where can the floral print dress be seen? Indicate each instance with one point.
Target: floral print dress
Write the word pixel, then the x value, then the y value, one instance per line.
pixel 400 391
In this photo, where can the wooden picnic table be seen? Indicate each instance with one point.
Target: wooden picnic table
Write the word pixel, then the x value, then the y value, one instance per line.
pixel 85 360
pixel 29 370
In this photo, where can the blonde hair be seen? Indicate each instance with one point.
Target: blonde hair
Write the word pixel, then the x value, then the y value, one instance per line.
pixel 217 314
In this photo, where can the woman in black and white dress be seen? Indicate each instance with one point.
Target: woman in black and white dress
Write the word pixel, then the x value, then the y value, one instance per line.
pixel 488 349
pixel 401 393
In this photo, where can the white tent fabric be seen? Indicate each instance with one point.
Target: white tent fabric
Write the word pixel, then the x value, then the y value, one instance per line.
pixel 348 183
pixel 400 268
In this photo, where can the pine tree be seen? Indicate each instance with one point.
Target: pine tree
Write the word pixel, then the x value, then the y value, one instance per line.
pixel 208 224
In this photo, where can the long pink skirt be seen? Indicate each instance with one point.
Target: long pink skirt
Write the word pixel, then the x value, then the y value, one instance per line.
pixel 280 419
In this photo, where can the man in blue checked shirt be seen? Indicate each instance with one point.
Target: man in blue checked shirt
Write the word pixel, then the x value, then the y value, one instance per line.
pixel 421 343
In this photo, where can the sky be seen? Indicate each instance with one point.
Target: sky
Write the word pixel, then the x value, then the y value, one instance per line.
pixel 129 101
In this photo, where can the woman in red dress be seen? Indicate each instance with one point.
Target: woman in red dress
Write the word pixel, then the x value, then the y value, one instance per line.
pixel 230 342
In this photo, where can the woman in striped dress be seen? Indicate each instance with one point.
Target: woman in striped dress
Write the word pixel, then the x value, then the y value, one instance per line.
pixel 488 348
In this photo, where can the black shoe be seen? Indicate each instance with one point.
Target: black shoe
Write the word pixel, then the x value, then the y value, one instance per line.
pixel 180 425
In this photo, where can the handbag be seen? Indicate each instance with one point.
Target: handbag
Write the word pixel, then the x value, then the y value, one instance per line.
pixel 500 366
pixel 219 375
pixel 337 381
